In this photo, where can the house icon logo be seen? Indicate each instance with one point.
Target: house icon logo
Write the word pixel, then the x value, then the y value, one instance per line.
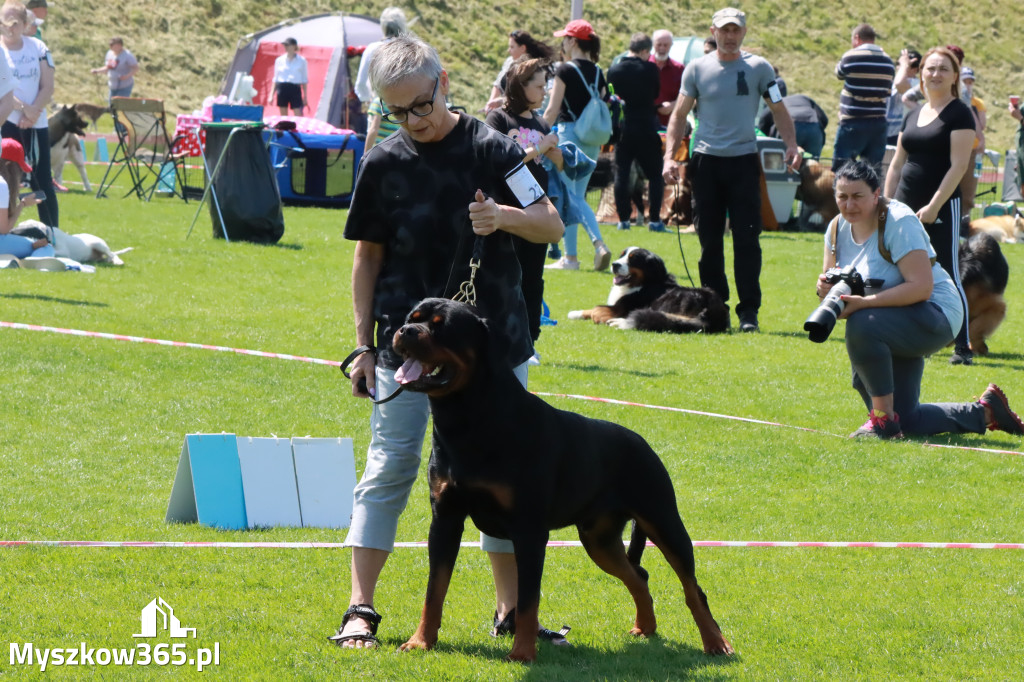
pixel 150 621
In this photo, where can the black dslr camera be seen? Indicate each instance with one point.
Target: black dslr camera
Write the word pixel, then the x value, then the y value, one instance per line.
pixel 845 281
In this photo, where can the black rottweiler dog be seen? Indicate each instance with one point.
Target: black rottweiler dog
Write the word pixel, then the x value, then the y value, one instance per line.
pixel 521 468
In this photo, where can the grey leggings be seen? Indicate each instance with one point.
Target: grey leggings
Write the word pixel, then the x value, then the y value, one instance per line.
pixel 887 347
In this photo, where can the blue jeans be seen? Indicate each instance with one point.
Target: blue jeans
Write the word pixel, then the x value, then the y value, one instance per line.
pixel 579 187
pixel 21 247
pixel 860 138
pixel 810 137
pixel 887 348
pixel 392 463
pixel 121 92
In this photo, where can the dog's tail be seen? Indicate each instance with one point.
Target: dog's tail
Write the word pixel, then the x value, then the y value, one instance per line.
pixel 637 543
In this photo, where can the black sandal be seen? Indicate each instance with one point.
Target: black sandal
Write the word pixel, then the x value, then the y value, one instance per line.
pixel 507 626
pixel 366 612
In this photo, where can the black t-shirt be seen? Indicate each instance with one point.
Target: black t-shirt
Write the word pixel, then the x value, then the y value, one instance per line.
pixel 638 83
pixel 414 198
pixel 927 150
pixel 527 132
pixel 577 93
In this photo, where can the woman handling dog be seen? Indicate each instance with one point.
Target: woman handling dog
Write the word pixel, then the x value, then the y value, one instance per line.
pixel 932 153
pixel 32 66
pixel 914 312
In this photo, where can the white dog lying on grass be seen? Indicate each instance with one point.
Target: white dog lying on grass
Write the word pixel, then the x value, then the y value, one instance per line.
pixel 81 247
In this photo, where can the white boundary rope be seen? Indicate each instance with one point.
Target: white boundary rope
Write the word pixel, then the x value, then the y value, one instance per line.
pixel 335 363
pixel 422 544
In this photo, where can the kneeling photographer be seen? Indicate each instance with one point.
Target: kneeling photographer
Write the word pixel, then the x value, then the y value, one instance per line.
pixel 900 306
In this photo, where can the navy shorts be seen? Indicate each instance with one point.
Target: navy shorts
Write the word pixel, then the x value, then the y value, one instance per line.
pixel 289 94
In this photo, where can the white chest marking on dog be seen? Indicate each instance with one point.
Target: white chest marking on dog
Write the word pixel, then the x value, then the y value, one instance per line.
pixel 618 292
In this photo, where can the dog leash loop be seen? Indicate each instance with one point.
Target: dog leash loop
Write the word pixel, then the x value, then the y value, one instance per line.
pixel 362 382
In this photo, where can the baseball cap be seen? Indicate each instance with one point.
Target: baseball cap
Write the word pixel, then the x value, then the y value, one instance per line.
pixel 290 41
pixel 729 15
pixel 33 4
pixel 577 28
pixel 967 72
pixel 12 150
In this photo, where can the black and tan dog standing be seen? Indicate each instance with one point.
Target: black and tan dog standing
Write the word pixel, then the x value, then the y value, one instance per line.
pixel 984 274
pixel 520 468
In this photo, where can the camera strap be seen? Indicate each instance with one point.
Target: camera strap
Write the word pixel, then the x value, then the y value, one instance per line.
pixel 883 217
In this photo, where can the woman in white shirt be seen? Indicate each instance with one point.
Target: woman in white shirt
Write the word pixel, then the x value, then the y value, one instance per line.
pixel 291 75
pixel 32 67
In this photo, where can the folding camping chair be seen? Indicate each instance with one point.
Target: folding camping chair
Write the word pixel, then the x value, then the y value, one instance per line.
pixel 144 149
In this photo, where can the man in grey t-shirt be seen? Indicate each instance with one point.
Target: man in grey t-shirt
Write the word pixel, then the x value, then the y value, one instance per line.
pixel 727 86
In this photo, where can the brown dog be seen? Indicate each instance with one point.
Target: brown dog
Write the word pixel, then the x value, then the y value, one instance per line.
pixel 816 195
pixel 1008 229
pixel 91 112
pixel 984 274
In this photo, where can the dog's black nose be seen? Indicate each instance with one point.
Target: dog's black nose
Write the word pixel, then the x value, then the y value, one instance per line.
pixel 409 331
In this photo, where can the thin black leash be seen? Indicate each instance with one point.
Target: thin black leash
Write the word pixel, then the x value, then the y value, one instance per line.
pixel 679 236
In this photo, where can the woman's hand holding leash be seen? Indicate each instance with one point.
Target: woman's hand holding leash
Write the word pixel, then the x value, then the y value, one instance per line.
pixel 364 380
pixel 485 214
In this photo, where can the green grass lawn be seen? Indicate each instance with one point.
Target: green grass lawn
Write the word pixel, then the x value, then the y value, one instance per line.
pixel 93 428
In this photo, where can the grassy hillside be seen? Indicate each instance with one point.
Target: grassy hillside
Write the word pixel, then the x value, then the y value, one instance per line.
pixel 184 48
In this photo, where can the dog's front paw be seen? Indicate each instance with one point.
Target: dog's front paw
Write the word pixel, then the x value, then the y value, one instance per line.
pixel 622 323
pixel 575 315
pixel 416 642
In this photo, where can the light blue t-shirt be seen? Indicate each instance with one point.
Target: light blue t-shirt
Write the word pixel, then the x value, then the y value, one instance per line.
pixel 903 233
pixel 728 94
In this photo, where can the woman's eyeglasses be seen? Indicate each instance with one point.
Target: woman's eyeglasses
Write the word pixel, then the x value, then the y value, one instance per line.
pixel 419 110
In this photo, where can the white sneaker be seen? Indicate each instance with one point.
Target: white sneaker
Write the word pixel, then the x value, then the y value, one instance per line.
pixel 563 263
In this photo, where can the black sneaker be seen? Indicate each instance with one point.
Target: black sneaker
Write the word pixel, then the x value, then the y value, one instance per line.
pixel 748 322
pixel 880 425
pixel 1000 416
pixel 962 355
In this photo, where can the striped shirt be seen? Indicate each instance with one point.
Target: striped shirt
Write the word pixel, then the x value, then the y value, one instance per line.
pixel 868 74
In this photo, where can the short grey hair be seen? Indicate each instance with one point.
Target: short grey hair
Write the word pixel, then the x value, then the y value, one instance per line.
pixel 393 22
pixel 400 59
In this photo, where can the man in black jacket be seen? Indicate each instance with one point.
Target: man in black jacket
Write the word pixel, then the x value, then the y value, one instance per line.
pixel 636 81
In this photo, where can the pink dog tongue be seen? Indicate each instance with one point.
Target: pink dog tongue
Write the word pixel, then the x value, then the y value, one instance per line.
pixel 409 372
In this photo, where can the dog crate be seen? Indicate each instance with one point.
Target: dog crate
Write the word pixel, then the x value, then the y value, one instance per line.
pixel 315 170
pixel 782 183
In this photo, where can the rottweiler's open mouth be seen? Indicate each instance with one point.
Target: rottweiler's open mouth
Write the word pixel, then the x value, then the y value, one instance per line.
pixel 414 371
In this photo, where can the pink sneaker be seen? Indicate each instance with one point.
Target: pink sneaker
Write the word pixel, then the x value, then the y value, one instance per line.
pixel 1002 418
pixel 880 425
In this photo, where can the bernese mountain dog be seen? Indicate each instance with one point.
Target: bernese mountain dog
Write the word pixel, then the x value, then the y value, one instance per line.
pixel 645 296
pixel 984 274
